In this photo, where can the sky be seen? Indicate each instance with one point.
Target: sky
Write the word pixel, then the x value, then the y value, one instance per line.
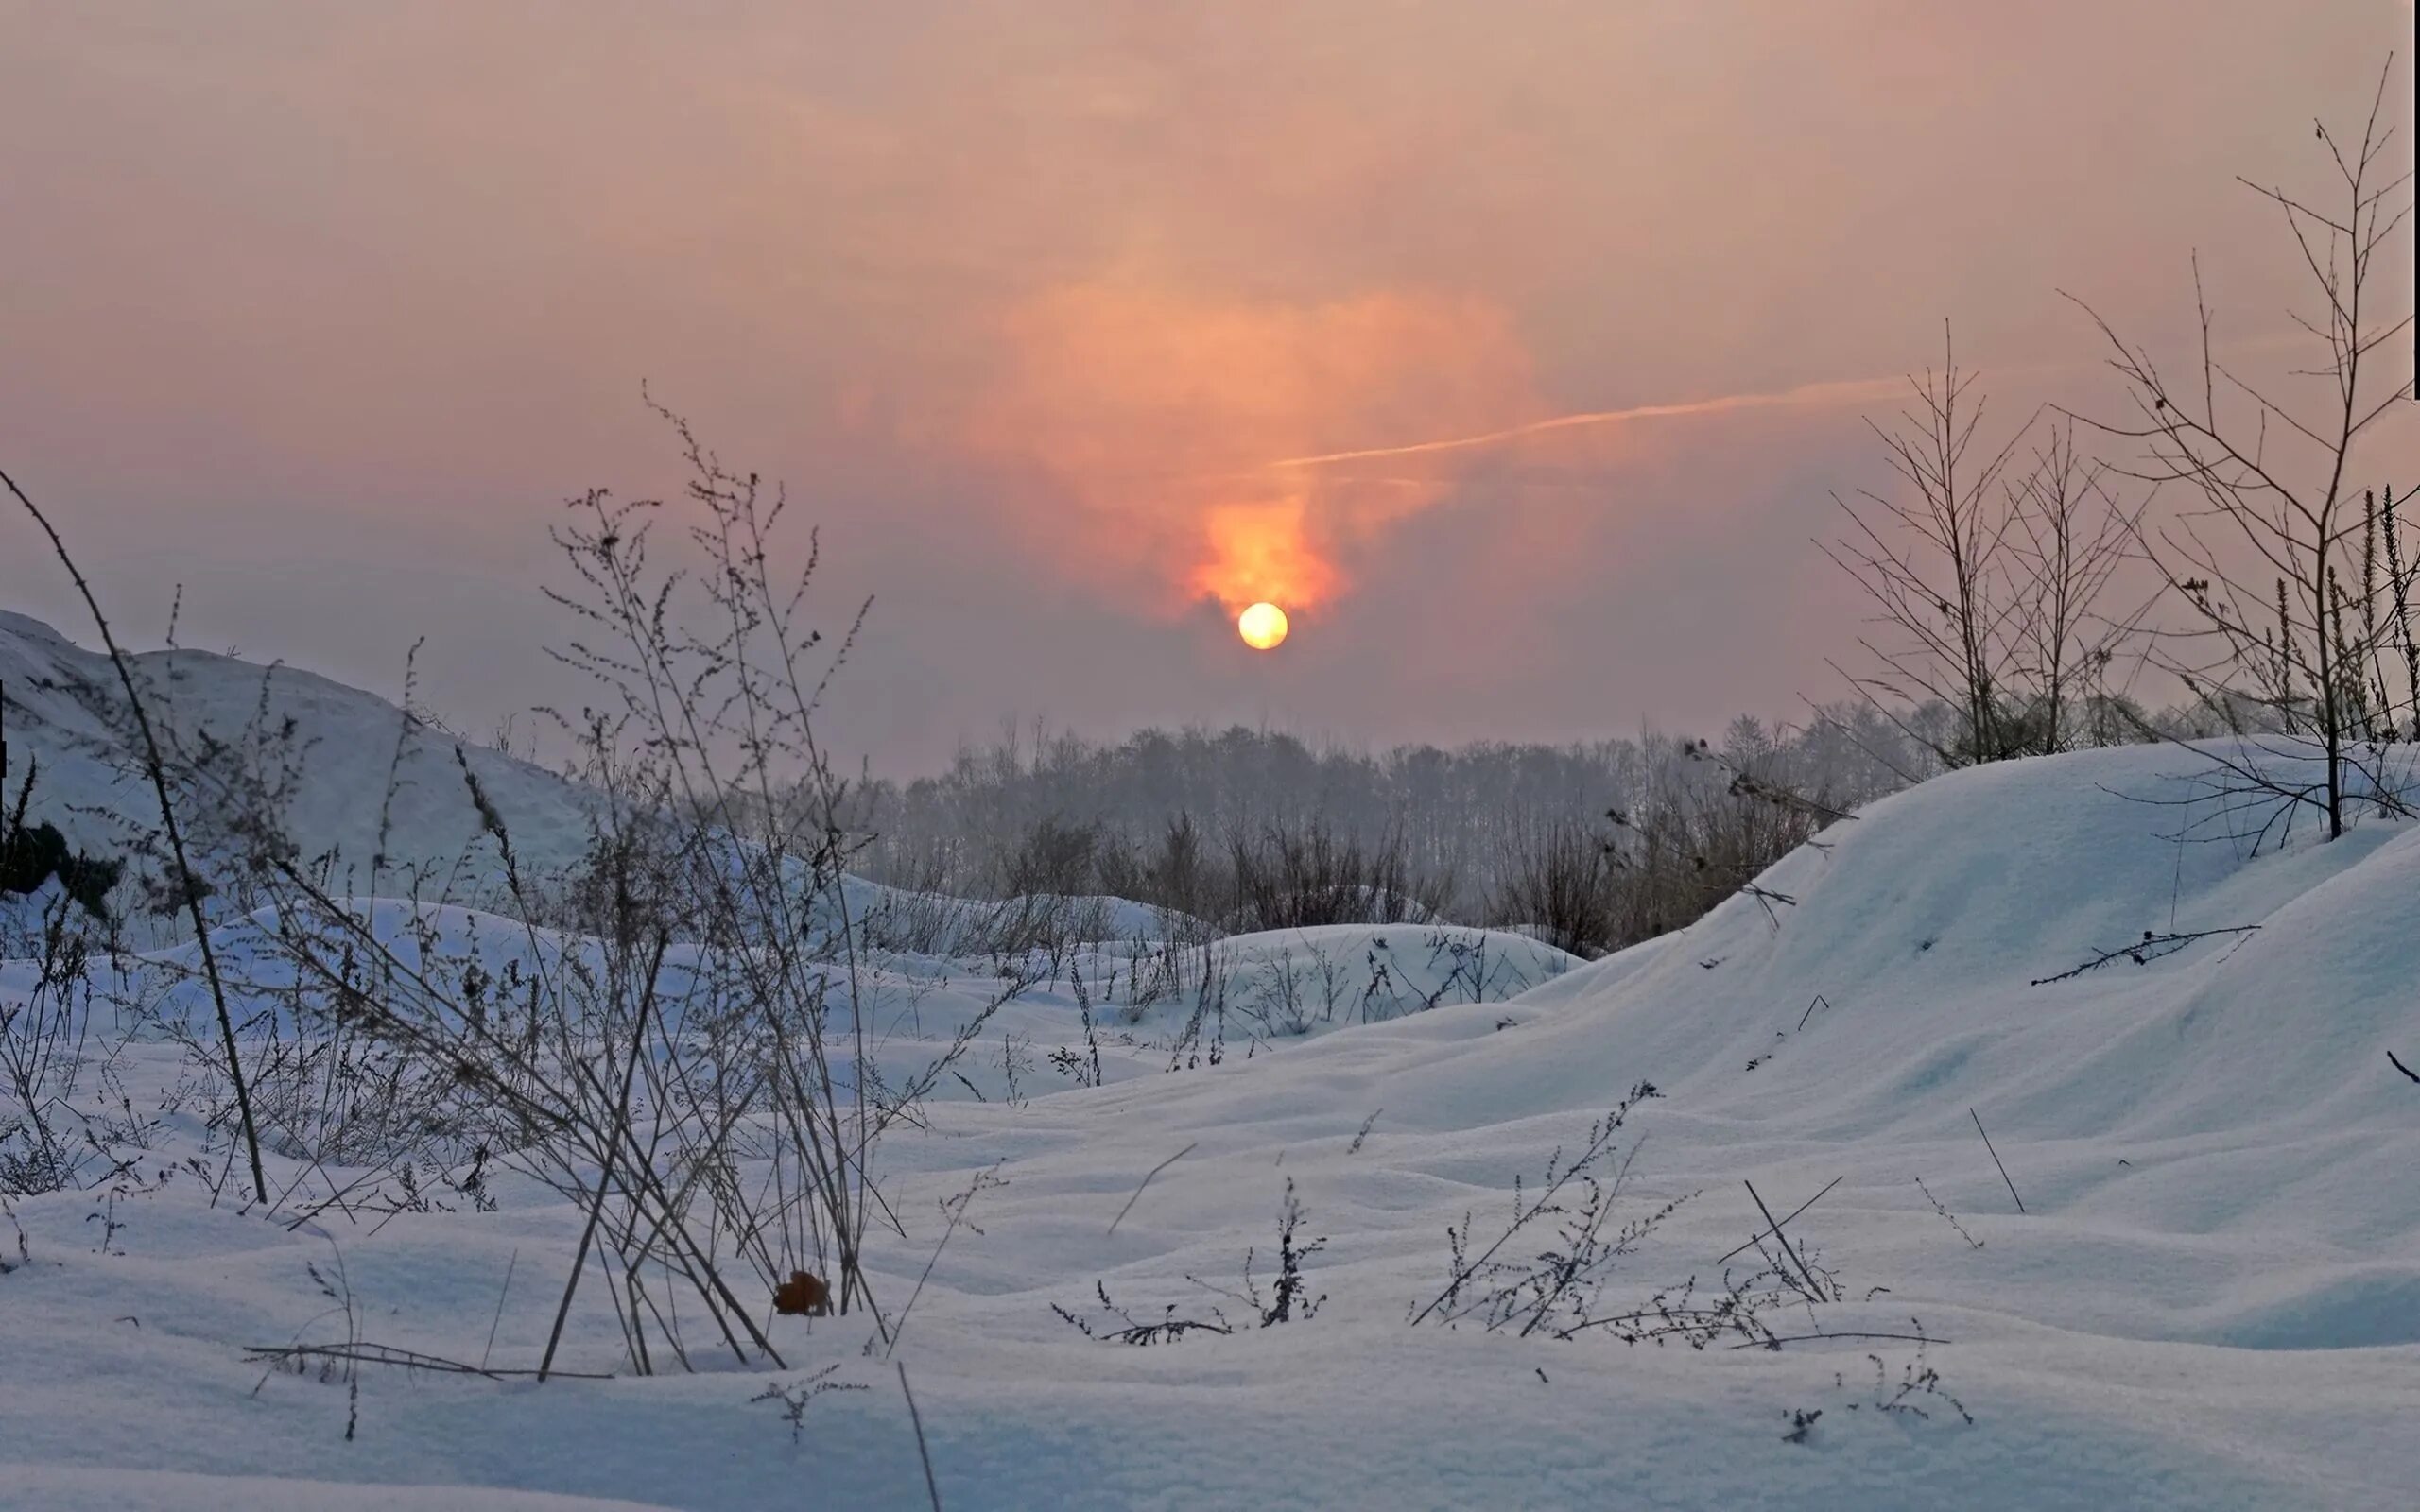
pixel 1078 326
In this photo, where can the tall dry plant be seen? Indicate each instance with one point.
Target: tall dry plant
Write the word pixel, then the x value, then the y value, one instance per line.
pixel 184 883
pixel 714 684
pixel 678 1039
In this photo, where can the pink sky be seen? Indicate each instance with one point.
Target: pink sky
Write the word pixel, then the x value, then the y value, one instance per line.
pixel 318 309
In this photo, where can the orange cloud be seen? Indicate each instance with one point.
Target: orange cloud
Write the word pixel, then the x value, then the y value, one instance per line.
pixel 1262 551
pixel 1153 418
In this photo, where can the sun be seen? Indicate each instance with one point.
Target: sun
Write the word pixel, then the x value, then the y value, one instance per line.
pixel 1263 625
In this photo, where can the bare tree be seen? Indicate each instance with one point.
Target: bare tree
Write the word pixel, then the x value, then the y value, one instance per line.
pixel 2291 625
pixel 1985 576
pixel 2071 539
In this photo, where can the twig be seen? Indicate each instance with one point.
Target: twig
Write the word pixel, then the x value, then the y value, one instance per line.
pixel 957 1216
pixel 2401 1067
pixel 932 1486
pixel 1794 1212
pixel 605 1168
pixel 1996 1157
pixel 1766 898
pixel 1814 1292
pixel 1147 1181
pixel 1367 1123
pixel 1819 1003
pixel 1807 1338
pixel 502 1292
pixel 1949 1217
pixel 2145 951
pixel 367 1353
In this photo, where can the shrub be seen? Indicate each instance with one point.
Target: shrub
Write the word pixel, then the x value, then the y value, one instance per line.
pixel 31 855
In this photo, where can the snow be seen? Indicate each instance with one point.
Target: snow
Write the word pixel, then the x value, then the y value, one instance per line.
pixel 352 748
pixel 350 738
pixel 2211 1298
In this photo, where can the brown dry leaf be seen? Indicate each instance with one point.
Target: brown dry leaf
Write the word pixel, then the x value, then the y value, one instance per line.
pixel 804 1293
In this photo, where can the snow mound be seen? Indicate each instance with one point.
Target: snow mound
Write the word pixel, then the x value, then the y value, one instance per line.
pixel 351 744
pixel 1906 978
pixel 349 748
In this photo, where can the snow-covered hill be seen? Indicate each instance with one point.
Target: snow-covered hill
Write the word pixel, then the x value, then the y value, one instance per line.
pixel 349 744
pixel 349 750
pixel 2210 1297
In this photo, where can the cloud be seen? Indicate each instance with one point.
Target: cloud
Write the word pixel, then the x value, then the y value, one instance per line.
pixel 1153 414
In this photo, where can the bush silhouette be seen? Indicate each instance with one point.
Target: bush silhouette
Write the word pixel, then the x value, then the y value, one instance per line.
pixel 32 854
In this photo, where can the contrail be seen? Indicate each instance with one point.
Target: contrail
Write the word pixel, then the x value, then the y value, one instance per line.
pixel 1834 392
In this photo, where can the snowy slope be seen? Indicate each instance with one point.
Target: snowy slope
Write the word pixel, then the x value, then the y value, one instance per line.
pixel 2210 1299
pixel 349 746
pixel 350 742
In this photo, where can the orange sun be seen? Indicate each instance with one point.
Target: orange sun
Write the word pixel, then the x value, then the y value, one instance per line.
pixel 1263 625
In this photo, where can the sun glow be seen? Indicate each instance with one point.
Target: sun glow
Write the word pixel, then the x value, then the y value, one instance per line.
pixel 1161 414
pixel 1263 625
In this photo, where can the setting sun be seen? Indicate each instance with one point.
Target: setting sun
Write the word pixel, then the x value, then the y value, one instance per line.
pixel 1262 627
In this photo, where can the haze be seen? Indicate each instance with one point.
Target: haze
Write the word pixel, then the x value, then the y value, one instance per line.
pixel 1078 327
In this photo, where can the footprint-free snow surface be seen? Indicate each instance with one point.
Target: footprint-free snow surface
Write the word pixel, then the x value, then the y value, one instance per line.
pixel 2209 1299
